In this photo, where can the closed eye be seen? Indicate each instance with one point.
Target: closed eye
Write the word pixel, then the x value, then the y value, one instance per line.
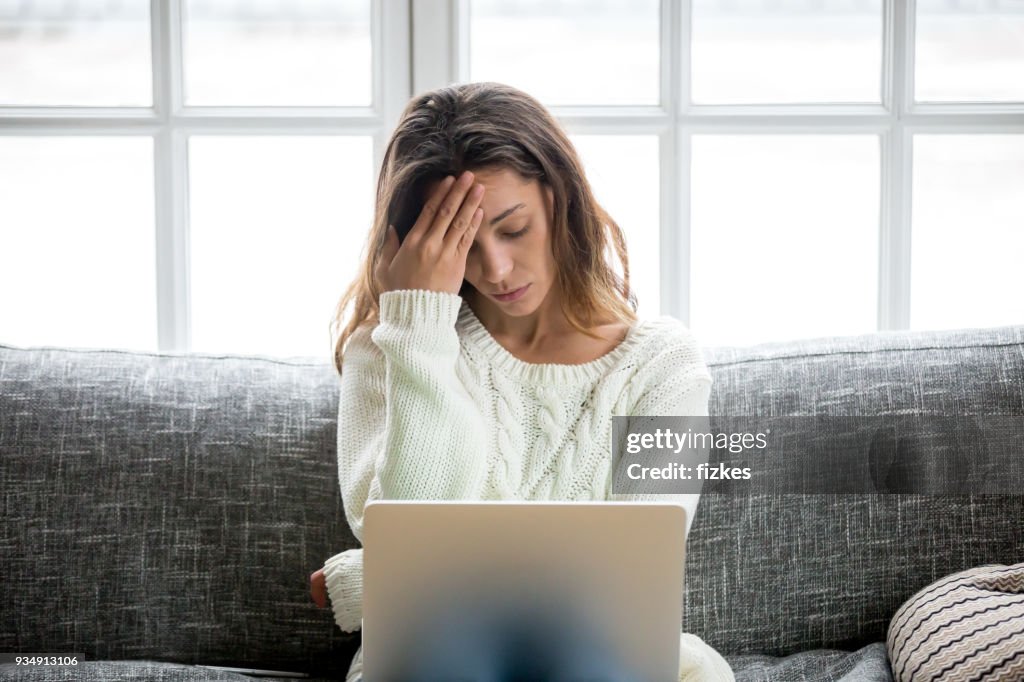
pixel 509 235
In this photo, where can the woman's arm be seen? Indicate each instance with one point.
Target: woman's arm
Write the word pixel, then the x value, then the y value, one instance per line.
pixel 407 428
pixel 434 442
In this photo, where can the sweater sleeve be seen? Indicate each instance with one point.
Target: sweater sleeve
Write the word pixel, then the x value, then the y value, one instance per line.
pixel 674 383
pixel 407 428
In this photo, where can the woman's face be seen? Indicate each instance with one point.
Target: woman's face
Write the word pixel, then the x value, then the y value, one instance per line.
pixel 510 262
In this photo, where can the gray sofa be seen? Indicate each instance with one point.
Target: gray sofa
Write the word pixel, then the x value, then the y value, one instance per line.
pixel 165 510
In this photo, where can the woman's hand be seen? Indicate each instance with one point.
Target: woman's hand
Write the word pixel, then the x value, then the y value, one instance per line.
pixel 318 588
pixel 433 255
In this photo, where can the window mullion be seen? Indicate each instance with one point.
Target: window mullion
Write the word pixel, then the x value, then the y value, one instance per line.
pixel 675 163
pixel 436 43
pixel 896 156
pixel 393 63
pixel 173 328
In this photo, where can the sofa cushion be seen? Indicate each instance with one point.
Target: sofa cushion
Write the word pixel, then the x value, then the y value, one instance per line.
pixel 140 671
pixel 969 625
pixel 868 664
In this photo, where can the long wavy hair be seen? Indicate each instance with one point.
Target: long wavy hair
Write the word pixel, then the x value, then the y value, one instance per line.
pixel 473 126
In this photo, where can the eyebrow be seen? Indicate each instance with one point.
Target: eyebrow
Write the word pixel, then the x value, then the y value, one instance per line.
pixel 506 214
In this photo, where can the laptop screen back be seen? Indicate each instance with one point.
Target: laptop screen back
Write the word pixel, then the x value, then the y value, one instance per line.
pixel 454 585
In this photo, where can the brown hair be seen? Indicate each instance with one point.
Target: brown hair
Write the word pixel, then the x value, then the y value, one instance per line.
pixel 473 126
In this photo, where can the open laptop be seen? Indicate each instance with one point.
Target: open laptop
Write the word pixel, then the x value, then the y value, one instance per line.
pixel 444 583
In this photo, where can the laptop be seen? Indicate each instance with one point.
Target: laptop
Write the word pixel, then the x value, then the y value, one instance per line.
pixel 452 585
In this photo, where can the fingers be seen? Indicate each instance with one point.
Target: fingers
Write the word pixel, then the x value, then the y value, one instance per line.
pixel 431 208
pixel 318 588
pixel 465 240
pixel 464 220
pixel 453 209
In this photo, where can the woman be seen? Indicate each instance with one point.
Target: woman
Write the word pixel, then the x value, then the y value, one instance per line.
pixel 488 339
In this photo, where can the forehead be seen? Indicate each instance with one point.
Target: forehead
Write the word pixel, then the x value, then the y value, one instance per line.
pixel 503 187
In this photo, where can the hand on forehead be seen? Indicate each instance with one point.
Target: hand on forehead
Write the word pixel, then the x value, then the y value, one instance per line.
pixel 506 193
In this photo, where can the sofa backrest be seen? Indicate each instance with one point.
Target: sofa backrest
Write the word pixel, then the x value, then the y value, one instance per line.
pixel 169 507
pixel 779 574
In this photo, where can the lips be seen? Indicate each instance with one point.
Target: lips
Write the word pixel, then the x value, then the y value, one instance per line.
pixel 511 295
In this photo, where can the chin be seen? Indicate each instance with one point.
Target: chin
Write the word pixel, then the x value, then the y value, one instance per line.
pixel 518 308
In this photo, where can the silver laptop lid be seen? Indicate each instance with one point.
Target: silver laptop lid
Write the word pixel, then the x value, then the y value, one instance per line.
pixel 609 574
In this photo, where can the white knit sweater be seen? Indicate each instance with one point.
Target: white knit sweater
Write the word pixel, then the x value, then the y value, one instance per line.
pixel 430 380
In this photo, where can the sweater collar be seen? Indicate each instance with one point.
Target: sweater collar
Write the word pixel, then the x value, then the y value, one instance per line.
pixel 474 333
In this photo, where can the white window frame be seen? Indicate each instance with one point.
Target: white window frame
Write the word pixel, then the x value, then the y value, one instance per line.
pixel 169 123
pixel 440 57
pixel 418 45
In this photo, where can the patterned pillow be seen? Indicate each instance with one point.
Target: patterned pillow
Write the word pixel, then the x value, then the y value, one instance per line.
pixel 967 626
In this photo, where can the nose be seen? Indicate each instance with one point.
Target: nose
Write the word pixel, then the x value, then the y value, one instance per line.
pixel 495 264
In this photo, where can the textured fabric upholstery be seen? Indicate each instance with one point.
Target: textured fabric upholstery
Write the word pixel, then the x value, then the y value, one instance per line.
pixel 778 575
pixel 133 671
pixel 169 507
pixel 162 507
pixel 868 664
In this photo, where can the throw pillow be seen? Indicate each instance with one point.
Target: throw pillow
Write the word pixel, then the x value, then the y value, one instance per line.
pixel 966 626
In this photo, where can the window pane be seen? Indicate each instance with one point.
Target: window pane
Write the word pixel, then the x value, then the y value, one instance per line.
pixel 968 231
pixel 629 192
pixel 84 53
pixel 77 246
pixel 564 52
pixel 785 237
pixel 276 229
pixel 969 51
pixel 311 53
pixel 786 51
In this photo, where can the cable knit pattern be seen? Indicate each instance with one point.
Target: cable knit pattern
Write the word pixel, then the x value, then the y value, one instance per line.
pixel 432 407
pixel 509 436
